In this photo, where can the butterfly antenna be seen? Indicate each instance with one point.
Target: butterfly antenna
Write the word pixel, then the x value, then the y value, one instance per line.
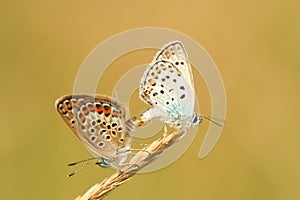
pixel 214 120
pixel 79 169
pixel 81 161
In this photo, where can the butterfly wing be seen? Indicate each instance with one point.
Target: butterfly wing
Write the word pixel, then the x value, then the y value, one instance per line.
pixel 176 54
pixel 170 94
pixel 98 121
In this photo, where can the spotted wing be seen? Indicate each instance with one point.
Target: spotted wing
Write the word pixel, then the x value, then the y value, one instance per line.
pixel 99 122
pixel 176 54
pixel 171 96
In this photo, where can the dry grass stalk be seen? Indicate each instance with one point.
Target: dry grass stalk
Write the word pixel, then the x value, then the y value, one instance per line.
pixel 141 159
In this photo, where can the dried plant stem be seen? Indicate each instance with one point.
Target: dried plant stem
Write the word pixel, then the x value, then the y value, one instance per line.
pixel 141 159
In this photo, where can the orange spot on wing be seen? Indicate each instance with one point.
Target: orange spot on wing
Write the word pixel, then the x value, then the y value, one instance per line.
pixel 64 111
pixel 82 118
pixel 69 106
pixel 107 112
pixel 99 110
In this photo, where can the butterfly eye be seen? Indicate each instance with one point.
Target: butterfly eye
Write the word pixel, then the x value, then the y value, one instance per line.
pixel 196 119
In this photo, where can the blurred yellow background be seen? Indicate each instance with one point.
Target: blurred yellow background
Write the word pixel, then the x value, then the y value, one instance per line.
pixel 255 44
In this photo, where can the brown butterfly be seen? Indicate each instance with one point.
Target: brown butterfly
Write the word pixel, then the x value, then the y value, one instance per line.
pixel 99 122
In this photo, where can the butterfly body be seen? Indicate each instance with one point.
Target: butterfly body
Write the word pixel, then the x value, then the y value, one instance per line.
pixel 167 85
pixel 99 122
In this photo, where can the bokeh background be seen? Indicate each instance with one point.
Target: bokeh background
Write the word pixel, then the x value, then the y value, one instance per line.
pixel 255 44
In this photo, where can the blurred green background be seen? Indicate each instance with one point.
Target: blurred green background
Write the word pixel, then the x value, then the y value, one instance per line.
pixel 255 44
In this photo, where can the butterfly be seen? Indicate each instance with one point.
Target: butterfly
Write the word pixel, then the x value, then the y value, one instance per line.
pixel 168 86
pixel 99 122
